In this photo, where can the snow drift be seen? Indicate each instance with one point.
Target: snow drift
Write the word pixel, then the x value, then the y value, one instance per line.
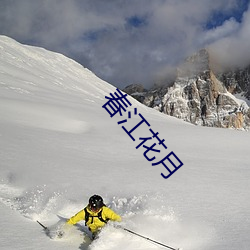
pixel 59 146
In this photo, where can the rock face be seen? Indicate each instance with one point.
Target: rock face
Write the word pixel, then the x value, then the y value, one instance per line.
pixel 201 97
pixel 136 90
pixel 237 81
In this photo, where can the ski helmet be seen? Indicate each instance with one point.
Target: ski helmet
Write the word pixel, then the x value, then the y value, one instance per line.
pixel 96 202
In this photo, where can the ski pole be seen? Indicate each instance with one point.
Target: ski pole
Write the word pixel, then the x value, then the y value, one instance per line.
pixel 146 238
pixel 45 228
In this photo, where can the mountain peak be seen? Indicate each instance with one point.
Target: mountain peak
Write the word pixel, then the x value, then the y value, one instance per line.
pixel 200 96
pixel 197 64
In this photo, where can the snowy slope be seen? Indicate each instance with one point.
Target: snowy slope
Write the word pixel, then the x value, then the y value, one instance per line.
pixel 59 146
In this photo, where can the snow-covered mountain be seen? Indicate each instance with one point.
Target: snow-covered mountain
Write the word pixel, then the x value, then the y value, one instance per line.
pixel 201 95
pixel 237 81
pixel 58 146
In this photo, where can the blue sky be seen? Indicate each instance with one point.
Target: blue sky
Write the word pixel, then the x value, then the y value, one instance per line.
pixel 131 41
pixel 218 17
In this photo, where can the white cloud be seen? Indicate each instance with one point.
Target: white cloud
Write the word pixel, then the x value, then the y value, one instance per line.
pixel 233 50
pixel 228 28
pixel 97 32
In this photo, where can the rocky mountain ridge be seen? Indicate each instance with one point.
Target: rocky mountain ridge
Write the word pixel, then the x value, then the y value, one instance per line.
pixel 200 95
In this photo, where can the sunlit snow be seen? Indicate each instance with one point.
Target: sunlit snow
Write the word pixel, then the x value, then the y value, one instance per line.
pixel 59 146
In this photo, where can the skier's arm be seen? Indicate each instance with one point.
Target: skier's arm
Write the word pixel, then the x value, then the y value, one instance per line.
pixel 77 217
pixel 110 214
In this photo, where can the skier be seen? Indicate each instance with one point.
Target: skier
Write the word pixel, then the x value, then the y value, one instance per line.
pixel 95 214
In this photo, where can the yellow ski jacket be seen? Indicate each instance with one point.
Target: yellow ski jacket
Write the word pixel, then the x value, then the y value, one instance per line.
pixel 94 223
